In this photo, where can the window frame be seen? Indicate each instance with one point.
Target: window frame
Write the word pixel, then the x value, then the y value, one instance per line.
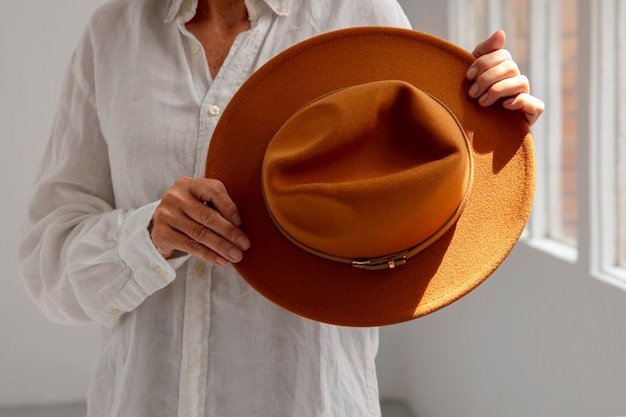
pixel 596 249
pixel 545 75
pixel 605 142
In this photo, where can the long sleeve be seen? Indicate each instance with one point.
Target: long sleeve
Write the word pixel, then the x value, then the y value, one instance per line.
pixel 81 258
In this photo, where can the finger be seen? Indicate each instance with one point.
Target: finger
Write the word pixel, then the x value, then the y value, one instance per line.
pixel 182 221
pixel 506 73
pixel 488 62
pixel 508 87
pixel 206 242
pixel 213 192
pixel 489 54
pixel 205 218
pixel 219 214
pixel 531 106
pixel 169 239
pixel 492 43
pixel 175 230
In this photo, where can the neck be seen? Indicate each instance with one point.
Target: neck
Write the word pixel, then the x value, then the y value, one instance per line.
pixel 227 14
pixel 216 25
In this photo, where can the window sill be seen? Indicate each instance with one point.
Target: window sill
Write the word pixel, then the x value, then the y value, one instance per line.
pixel 559 250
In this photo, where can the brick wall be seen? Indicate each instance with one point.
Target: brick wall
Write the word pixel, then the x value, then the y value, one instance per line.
pixel 569 45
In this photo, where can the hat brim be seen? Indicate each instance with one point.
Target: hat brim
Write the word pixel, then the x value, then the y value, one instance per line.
pixel 493 219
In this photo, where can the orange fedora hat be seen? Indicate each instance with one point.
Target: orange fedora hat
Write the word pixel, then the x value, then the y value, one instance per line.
pixel 373 189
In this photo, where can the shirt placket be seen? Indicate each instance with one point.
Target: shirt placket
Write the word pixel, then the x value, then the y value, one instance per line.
pixel 197 313
pixel 197 317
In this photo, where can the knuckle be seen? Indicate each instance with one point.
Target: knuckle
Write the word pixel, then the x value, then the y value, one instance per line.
pixel 172 197
pixel 217 184
pixel 198 233
pixel 214 185
pixel 183 181
pixel 209 216
pixel 180 188
pixel 167 198
pixel 512 67
pixel 161 218
pixel 497 89
pixel 219 189
pixel 484 81
pixel 506 54
pixel 158 233
pixel 191 246
pixel 524 81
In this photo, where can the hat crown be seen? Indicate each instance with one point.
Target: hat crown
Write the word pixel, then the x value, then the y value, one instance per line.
pixel 367 171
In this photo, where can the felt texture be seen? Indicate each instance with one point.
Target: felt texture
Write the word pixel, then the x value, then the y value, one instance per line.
pixel 494 215
pixel 367 171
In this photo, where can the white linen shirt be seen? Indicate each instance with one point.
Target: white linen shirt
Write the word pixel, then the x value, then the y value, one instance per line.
pixel 179 337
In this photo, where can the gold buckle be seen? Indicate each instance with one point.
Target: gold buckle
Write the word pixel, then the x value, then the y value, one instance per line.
pixel 380 263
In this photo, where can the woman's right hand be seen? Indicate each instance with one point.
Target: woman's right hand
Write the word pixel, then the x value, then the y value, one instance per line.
pixel 197 216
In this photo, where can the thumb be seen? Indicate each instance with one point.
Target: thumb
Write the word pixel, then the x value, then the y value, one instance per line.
pixel 492 43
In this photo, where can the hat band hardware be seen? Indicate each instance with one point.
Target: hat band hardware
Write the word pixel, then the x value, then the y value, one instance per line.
pixel 381 263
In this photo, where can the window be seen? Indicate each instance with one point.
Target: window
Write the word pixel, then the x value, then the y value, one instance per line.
pixel 621 129
pixel 608 141
pixel 574 52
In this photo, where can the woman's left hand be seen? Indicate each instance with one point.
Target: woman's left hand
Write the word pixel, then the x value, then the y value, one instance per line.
pixel 496 76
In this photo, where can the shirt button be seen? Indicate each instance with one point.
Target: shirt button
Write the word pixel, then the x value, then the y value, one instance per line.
pixel 200 269
pixel 115 311
pixel 281 9
pixel 189 5
pixel 161 272
pixel 195 49
pixel 214 110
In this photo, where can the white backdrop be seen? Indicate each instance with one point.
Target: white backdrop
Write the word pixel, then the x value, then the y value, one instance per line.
pixel 39 361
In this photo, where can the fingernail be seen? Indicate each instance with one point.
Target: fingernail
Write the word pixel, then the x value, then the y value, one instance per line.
pixel 221 261
pixel 483 98
pixel 473 90
pixel 235 255
pixel 471 73
pixel 243 242
pixel 236 219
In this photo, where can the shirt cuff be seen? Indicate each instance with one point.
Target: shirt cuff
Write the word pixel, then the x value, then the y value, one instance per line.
pixel 150 270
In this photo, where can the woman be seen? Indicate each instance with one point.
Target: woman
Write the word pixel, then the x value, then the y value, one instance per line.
pixel 118 232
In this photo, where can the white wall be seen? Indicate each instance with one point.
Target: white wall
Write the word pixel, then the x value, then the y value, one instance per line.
pixel 39 361
pixel 430 16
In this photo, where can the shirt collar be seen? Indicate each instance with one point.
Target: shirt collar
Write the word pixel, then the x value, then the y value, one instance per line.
pixel 182 7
